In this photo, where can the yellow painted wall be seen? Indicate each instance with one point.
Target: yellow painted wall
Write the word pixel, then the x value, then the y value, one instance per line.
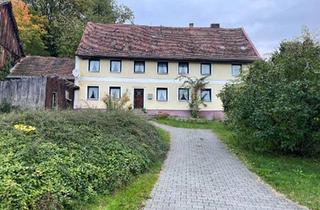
pixel 149 81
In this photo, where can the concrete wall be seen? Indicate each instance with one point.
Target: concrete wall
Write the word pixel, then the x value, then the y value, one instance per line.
pixel 28 93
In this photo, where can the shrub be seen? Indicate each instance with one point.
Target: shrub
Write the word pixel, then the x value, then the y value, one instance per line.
pixel 71 156
pixel 278 101
pixel 161 115
pixel 114 103
pixel 6 107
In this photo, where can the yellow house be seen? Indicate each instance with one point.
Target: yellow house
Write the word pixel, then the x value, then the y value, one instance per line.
pixel 145 61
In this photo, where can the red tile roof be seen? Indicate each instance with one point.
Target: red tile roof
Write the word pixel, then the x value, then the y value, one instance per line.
pixel 158 42
pixel 43 66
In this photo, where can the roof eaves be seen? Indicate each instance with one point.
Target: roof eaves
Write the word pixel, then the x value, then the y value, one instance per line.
pixel 231 59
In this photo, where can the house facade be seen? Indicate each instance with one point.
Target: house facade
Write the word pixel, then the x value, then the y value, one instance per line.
pixel 145 62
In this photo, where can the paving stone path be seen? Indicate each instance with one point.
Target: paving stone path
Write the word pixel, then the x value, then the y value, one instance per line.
pixel 200 173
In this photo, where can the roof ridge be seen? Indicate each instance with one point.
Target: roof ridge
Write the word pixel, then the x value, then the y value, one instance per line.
pixel 160 26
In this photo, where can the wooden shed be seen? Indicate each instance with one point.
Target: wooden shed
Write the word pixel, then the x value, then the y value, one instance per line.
pixel 59 82
pixel 10 45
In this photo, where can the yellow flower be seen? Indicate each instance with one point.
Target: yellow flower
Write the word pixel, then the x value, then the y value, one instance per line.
pixel 25 128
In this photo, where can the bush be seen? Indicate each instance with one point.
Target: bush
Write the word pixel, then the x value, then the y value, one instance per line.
pixel 161 116
pixel 278 101
pixel 6 107
pixel 52 160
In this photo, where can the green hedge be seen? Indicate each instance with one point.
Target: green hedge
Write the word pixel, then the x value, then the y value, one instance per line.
pixel 71 156
pixel 277 102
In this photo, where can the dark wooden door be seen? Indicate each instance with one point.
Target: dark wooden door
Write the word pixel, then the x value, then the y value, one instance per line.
pixel 138 98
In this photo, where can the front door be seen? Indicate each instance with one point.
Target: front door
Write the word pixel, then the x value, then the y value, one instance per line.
pixel 138 98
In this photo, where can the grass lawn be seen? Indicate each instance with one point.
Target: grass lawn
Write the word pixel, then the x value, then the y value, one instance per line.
pixel 298 178
pixel 134 195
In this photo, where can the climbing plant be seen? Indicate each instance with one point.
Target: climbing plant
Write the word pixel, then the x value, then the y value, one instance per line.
pixel 195 85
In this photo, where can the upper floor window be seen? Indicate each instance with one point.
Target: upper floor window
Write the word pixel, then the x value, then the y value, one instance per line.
pixel 236 69
pixel 162 68
pixel 139 67
pixel 183 94
pixel 206 69
pixel 93 93
pixel 162 94
pixel 94 65
pixel 206 95
pixel 115 66
pixel 183 68
pixel 115 92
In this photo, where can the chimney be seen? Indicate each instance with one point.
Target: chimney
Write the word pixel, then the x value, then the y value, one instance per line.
pixel 191 25
pixel 214 25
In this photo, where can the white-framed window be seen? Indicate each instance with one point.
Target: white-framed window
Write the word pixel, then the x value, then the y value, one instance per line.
pixel 115 92
pixel 183 94
pixel 206 95
pixel 162 94
pixel 115 66
pixel 139 67
pixel 93 93
pixel 162 68
pixel 94 65
pixel 236 69
pixel 206 68
pixel 183 68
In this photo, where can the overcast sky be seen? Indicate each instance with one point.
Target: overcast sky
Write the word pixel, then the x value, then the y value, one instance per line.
pixel 267 22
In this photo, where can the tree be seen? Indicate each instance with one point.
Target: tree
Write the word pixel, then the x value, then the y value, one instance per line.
pixel 195 85
pixel 31 29
pixel 67 18
pixel 5 70
pixel 278 101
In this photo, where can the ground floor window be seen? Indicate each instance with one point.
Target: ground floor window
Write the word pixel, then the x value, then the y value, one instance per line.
pixel 115 92
pixel 93 93
pixel 162 94
pixel 183 94
pixel 206 95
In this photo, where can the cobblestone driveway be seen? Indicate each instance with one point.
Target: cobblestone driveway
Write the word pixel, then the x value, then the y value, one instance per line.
pixel 200 173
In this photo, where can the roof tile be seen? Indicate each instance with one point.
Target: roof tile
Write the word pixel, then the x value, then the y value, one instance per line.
pixel 43 66
pixel 158 42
